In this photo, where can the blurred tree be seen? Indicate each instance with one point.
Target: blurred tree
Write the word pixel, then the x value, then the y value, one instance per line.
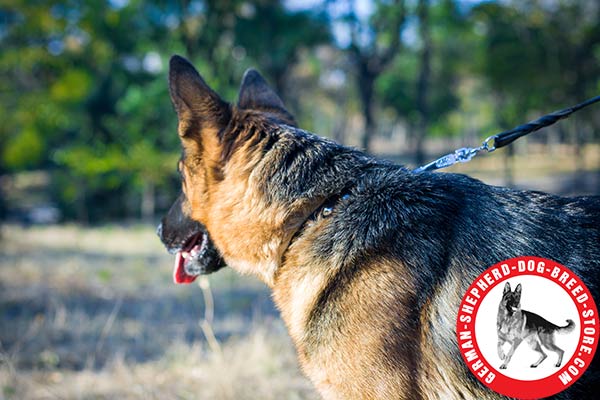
pixel 274 36
pixel 84 94
pixel 68 67
pixel 534 58
pixel 225 37
pixel 423 80
pixel 421 85
pixel 576 54
pixel 373 45
pixel 207 31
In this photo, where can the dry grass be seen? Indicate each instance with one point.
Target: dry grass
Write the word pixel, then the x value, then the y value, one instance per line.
pixel 92 314
pixel 258 366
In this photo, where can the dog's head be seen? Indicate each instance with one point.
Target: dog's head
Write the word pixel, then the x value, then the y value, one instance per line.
pixel 511 300
pixel 231 210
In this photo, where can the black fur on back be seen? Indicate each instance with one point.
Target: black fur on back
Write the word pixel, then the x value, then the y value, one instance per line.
pixel 430 220
pixel 436 223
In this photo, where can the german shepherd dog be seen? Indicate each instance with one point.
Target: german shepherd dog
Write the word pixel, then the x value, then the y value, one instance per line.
pixel 367 261
pixel 515 325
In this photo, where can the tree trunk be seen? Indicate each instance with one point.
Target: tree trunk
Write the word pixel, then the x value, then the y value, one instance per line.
pixel 370 63
pixel 3 203
pixel 148 202
pixel 81 204
pixel 422 100
pixel 341 123
pixel 509 178
pixel 579 139
pixel 579 142
pixel 366 82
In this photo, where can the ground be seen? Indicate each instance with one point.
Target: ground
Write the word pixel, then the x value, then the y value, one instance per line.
pixel 92 313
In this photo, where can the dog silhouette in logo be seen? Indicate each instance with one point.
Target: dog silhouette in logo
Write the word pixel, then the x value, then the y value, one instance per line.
pixel 515 325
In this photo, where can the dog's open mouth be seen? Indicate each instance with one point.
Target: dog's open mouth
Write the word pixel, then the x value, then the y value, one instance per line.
pixel 187 259
pixel 197 257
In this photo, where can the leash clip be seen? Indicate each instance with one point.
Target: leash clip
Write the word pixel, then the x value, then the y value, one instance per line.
pixel 486 144
pixel 462 155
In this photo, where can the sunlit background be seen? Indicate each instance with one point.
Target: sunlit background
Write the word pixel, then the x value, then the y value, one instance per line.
pixel 88 150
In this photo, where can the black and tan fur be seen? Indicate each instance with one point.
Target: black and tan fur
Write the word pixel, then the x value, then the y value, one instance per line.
pixel 367 261
pixel 515 325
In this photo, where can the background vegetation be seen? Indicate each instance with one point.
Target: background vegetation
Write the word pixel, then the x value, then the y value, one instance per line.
pixel 83 95
pixel 87 139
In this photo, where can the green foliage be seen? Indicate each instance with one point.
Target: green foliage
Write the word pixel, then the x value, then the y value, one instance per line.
pixel 83 92
pixel 23 150
pixel 534 57
pixel 92 162
pixel 73 87
pixel 271 26
pixel 397 88
pixel 149 164
pixel 9 391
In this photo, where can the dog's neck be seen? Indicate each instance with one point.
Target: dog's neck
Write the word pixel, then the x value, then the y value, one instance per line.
pixel 302 286
pixel 508 310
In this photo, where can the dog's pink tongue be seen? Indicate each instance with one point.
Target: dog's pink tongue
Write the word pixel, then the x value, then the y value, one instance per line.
pixel 179 274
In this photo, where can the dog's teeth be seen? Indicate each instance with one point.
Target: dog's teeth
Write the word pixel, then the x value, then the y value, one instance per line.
pixel 185 254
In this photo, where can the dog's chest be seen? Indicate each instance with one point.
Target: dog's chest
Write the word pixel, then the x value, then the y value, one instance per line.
pixel 511 326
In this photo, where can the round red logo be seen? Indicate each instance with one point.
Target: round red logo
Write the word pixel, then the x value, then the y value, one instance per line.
pixel 527 327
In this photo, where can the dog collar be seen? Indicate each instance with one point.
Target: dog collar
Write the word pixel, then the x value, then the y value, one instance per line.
pixel 325 210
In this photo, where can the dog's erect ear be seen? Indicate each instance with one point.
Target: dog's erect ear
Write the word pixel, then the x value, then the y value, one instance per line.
pixel 506 288
pixel 193 99
pixel 518 292
pixel 255 94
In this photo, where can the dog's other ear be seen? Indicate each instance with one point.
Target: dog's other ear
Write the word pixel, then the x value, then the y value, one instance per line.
pixel 255 94
pixel 193 99
pixel 506 288
pixel 518 292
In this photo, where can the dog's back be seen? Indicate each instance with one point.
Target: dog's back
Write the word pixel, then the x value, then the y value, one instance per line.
pixel 538 324
pixel 421 239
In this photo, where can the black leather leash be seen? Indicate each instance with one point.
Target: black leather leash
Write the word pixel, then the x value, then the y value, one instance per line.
pixel 502 139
